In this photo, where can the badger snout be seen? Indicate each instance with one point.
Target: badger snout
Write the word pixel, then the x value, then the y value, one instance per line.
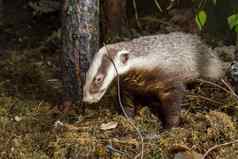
pixel 92 98
pixel 88 98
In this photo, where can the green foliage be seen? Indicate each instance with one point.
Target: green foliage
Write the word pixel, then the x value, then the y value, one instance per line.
pixel 233 22
pixel 44 6
pixel 201 19
pixel 202 14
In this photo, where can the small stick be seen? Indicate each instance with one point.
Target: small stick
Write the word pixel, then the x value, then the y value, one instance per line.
pixel 218 146
pixel 205 98
pixel 229 87
pixel 158 5
pixel 214 84
pixel 136 14
pixel 171 4
pixel 110 148
pixel 201 3
pixel 123 109
pixel 229 90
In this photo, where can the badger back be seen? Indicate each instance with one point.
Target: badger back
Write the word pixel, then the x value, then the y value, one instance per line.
pixel 183 56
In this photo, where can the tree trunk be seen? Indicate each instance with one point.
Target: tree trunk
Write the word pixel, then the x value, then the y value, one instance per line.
pixel 80 41
pixel 1 11
pixel 115 14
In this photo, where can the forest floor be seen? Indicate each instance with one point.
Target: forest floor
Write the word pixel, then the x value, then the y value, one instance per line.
pixel 31 127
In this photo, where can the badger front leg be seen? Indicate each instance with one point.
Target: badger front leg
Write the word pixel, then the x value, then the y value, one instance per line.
pixel 130 110
pixel 171 98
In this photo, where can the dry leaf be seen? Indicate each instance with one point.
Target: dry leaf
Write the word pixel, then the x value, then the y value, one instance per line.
pixel 17 118
pixel 110 125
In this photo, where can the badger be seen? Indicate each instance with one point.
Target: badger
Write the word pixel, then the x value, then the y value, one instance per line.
pixel 158 66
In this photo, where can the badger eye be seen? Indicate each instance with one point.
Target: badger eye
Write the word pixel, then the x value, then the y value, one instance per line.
pixel 99 79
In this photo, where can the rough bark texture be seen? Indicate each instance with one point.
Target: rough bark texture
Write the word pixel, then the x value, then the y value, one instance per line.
pixel 80 42
pixel 1 11
pixel 115 13
pixel 89 32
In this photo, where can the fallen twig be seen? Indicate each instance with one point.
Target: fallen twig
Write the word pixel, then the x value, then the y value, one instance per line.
pixel 218 146
pixel 136 14
pixel 158 5
pixel 205 98
pixel 229 87
pixel 214 84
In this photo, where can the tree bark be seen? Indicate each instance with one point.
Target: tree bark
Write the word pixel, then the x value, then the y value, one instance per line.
pixel 1 11
pixel 80 34
pixel 115 14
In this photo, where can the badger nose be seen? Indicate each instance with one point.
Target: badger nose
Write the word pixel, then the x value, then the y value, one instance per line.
pixel 87 99
pixel 85 96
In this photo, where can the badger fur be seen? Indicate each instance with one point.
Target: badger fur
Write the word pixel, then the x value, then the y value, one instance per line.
pixel 157 65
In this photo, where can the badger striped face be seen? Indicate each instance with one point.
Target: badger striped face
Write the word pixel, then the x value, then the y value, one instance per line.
pixel 102 72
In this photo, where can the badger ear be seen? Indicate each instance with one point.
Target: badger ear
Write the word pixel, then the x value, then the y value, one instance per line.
pixel 124 57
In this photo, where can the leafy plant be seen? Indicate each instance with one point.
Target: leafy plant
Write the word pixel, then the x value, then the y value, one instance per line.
pixel 201 19
pixel 233 22
pixel 201 16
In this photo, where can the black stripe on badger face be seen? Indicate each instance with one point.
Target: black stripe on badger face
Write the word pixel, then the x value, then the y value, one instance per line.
pixel 100 75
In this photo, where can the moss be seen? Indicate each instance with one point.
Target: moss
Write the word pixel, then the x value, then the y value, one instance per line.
pixel 23 133
pixel 29 74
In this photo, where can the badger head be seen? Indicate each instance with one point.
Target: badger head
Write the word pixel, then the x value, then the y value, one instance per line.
pixel 102 72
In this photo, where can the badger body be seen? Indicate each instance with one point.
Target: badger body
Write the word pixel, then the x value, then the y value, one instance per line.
pixel 157 66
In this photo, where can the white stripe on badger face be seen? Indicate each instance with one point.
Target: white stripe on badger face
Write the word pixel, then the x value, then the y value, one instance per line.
pixel 93 69
pixel 108 77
